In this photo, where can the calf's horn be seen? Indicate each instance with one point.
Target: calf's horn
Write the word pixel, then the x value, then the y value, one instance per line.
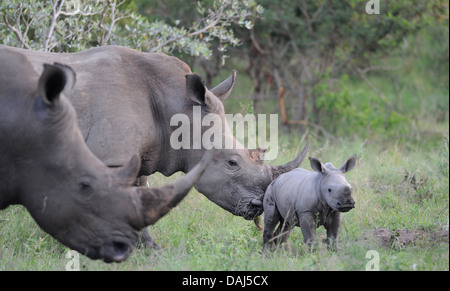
pixel 157 202
pixel 295 163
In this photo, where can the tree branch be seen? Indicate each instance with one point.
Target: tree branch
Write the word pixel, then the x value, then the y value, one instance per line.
pixel 16 32
pixel 204 29
pixel 55 16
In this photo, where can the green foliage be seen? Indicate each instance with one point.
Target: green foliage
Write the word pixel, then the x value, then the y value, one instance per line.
pixel 357 112
pixel 68 26
pixel 192 38
pixel 444 159
pixel 63 26
pixel 310 47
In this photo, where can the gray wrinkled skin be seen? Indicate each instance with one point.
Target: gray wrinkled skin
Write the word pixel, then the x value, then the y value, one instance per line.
pixel 46 166
pixel 308 200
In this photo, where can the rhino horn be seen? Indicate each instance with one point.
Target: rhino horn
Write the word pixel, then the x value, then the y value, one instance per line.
pixel 157 202
pixel 127 174
pixel 295 163
pixel 223 90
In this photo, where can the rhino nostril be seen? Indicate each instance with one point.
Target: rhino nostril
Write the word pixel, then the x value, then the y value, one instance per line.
pixel 120 247
pixel 115 251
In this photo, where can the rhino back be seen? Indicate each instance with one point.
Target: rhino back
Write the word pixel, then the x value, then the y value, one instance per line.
pixel 121 99
pixel 295 190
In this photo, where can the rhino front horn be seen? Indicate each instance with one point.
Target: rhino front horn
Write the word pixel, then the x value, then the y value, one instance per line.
pixel 157 202
pixel 295 163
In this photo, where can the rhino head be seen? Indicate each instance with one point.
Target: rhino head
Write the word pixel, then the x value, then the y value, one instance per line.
pixel 237 178
pixel 334 188
pixel 47 167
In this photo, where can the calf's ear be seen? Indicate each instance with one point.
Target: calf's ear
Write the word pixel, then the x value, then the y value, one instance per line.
pixel 348 165
pixel 317 166
pixel 53 80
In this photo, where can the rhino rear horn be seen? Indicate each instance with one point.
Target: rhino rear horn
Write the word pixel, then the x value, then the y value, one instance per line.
pixel 127 174
pixel 53 80
pixel 157 202
pixel 295 163
pixel 223 90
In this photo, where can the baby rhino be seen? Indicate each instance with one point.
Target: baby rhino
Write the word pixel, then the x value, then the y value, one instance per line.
pixel 309 200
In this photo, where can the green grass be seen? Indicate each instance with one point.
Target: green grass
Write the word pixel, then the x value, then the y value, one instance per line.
pixel 198 235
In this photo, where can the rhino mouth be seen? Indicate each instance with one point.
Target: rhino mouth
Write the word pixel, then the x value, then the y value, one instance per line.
pixel 346 208
pixel 253 209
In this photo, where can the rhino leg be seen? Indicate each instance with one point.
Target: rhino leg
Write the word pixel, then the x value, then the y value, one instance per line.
pixel 283 231
pixel 271 219
pixel 269 227
pixel 332 227
pixel 145 239
pixel 308 226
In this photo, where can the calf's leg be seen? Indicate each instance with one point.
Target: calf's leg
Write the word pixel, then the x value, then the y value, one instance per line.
pixel 308 226
pixel 271 219
pixel 332 227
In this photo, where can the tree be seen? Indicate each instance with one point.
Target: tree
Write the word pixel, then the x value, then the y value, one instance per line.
pixel 59 26
pixel 306 47
pixel 73 25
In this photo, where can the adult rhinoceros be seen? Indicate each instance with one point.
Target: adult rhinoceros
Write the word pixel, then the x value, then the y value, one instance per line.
pixel 46 166
pixel 125 100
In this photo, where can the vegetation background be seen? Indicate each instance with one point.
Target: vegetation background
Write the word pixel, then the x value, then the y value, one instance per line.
pixel 374 85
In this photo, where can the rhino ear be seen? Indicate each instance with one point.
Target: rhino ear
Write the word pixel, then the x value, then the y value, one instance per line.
pixel 257 154
pixel 348 165
pixel 53 80
pixel 223 90
pixel 317 166
pixel 195 88
pixel 198 93
pixel 127 174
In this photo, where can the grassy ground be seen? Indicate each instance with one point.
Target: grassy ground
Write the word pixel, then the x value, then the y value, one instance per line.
pixel 401 212
pixel 401 188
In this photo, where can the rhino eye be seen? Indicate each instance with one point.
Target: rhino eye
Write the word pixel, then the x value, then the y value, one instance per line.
pixel 232 163
pixel 85 186
pixel 329 190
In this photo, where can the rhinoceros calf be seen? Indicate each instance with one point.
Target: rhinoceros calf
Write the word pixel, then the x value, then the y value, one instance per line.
pixel 309 200
pixel 46 166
